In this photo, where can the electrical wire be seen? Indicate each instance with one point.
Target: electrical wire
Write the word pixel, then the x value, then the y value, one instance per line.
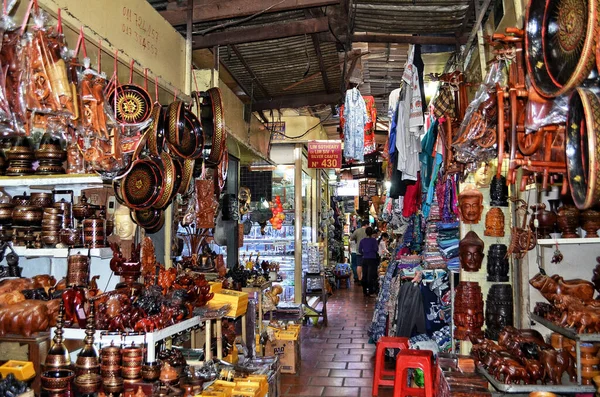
pixel 307 131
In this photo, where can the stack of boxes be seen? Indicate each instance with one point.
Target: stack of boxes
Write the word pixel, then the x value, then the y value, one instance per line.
pixel 252 386
pixel 286 345
pixel 237 300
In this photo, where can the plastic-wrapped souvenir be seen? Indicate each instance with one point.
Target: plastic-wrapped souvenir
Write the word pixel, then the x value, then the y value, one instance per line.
pixel 476 138
pixel 12 107
pixel 47 86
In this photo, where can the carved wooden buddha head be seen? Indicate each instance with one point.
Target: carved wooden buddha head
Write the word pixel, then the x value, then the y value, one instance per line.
pixel 483 175
pixel 470 206
pixel 494 223
pixel 470 251
pixel 498 310
pixel 468 310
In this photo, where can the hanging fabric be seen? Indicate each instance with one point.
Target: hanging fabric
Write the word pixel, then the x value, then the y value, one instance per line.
pixel 355 118
pixel 370 144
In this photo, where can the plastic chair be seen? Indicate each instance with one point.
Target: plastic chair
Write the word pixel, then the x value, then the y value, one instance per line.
pixel 421 359
pixel 384 343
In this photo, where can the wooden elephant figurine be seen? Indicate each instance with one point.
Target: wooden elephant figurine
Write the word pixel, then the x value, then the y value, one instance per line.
pixel 513 372
pixel 555 363
pixel 535 370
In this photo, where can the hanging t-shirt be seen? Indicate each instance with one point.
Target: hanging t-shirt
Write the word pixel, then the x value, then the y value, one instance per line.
pixel 433 308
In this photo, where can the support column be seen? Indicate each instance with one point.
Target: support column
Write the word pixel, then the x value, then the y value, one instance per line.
pixel 298 223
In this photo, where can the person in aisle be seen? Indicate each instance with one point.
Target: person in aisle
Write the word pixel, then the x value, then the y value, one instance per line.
pixel 357 236
pixel 383 245
pixel 353 259
pixel 368 249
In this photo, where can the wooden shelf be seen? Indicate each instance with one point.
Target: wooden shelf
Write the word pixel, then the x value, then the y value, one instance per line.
pixel 565 241
pixel 103 253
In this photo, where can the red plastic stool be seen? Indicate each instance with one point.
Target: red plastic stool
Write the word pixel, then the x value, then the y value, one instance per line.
pixel 385 342
pixel 421 359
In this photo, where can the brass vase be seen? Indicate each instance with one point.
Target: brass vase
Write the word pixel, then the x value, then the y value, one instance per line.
pixel 58 356
pixel 87 359
pixel 590 222
pixel 567 220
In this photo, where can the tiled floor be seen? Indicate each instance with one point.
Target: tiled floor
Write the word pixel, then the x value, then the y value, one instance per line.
pixel 337 360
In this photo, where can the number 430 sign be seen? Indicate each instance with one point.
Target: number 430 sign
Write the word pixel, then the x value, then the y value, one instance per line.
pixel 324 154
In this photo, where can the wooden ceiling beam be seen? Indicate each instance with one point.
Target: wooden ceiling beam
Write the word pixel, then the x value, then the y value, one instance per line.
pixel 297 101
pixel 397 39
pixel 249 70
pixel 261 33
pixel 213 10
pixel 322 68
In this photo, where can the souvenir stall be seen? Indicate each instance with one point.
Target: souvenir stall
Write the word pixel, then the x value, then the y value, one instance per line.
pixel 508 213
pixel 109 175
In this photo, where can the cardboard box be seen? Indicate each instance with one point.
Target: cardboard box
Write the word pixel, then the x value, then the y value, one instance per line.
pixel 288 352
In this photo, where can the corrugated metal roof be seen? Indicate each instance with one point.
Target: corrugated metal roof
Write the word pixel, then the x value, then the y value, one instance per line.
pixel 411 17
pixel 280 63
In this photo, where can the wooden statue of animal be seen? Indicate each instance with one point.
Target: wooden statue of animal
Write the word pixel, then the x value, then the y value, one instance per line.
pixel 512 370
pixel 582 317
pixel 549 287
pixel 535 369
pixel 555 363
pixel 512 339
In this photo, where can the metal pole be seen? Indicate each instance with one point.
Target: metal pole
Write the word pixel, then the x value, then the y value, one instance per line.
pixel 298 223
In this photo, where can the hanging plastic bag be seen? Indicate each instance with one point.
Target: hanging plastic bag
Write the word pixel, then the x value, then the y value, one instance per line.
pixel 47 85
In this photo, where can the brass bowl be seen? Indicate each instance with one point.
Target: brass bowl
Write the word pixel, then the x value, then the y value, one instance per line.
pixel 50 239
pixel 70 237
pixel 113 384
pixel 88 383
pixel 108 370
pixel 21 200
pixel 41 199
pixel 6 233
pixel 54 155
pixel 27 216
pixel 131 372
pixel 109 351
pixel 6 210
pixel 132 351
pixel 54 211
pixel 151 371
pixel 57 380
pixel 82 211
pixel 131 362
pixel 541 394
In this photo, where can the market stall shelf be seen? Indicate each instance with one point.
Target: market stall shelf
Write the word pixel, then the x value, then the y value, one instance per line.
pixel 563 241
pixel 103 253
pixel 151 338
pixel 566 387
pixel 79 180
pixel 571 334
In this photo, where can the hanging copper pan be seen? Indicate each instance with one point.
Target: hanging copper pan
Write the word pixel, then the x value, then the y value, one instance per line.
pixel 130 103
pixel 213 124
pixel 583 147
pixel 142 185
pixel 560 42
pixel 151 220
pixel 183 131
pixel 171 180
pixel 186 175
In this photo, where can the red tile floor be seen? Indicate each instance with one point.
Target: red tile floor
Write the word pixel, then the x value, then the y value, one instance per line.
pixel 337 360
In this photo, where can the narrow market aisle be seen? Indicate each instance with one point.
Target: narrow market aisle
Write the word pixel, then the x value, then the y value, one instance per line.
pixel 337 360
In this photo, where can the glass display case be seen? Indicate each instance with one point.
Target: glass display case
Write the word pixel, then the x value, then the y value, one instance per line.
pixel 275 245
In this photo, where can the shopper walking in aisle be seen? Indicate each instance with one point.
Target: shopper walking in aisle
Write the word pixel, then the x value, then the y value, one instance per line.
pixel 353 247
pixel 357 236
pixel 368 249
pixel 383 245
